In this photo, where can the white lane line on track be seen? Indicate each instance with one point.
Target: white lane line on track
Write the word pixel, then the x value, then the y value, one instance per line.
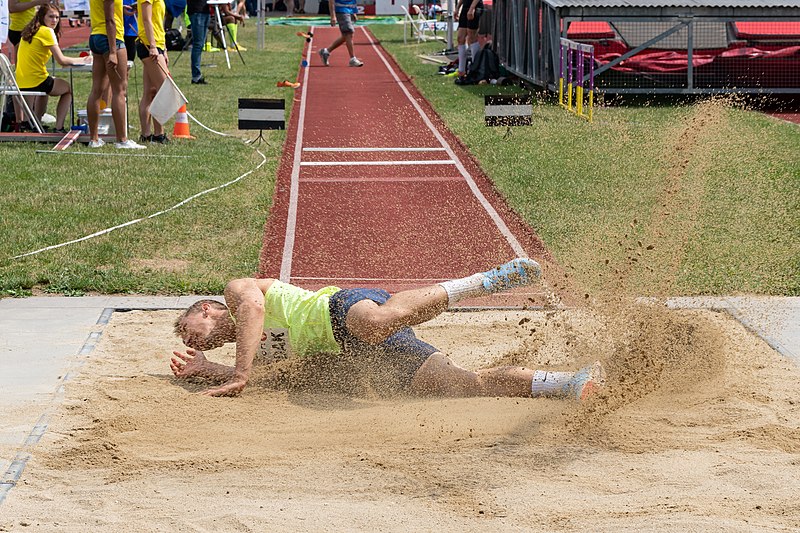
pixel 369 149
pixel 493 214
pixel 375 163
pixel 291 218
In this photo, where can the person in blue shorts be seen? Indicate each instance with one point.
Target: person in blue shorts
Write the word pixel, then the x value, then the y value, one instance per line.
pixel 368 324
pixel 345 14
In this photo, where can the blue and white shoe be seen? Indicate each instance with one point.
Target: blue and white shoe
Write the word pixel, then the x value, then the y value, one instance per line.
pixel 516 273
pixel 585 382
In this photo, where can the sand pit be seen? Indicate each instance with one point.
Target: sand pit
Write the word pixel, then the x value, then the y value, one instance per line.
pixel 698 430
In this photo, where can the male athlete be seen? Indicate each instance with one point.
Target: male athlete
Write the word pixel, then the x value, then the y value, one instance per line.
pixel 362 321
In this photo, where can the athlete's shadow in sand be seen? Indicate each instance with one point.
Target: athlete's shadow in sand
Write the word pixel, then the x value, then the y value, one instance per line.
pixel 323 381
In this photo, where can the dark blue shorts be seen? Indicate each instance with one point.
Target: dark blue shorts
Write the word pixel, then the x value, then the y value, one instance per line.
pixel 396 359
pixel 98 44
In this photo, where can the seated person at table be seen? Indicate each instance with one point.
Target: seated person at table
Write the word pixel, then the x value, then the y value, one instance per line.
pixel 38 43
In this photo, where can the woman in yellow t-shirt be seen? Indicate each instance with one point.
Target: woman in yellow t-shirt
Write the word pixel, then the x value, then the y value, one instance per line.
pixel 151 49
pixel 39 42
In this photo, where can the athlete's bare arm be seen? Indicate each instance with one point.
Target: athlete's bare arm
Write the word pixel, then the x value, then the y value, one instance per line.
pixel 245 299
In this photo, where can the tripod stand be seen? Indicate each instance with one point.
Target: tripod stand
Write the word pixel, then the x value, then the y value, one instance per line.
pixel 218 24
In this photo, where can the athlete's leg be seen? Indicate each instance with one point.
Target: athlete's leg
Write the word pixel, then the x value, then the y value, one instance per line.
pixel 62 89
pixel 472 43
pixel 118 78
pixel 99 86
pixel 373 323
pixel 348 41
pixel 461 39
pixel 440 376
pixel 336 43
pixel 148 93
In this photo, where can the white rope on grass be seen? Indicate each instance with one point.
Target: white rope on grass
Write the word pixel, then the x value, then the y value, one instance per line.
pixel 132 222
pixel 206 127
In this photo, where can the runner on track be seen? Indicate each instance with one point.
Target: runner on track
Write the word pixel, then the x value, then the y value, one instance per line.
pixel 367 323
pixel 345 14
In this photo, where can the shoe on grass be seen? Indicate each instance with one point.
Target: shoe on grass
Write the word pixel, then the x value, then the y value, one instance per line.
pixel 129 144
pixel 325 55
pixel 99 143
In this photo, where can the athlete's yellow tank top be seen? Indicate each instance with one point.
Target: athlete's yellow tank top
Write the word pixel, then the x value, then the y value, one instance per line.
pixel 304 314
pixel 98 18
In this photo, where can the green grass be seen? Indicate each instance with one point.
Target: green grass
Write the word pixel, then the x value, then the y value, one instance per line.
pixel 712 188
pixel 49 199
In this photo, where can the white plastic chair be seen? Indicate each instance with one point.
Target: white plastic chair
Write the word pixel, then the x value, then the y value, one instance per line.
pixel 422 28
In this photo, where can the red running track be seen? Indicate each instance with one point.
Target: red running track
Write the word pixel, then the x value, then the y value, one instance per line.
pixel 374 191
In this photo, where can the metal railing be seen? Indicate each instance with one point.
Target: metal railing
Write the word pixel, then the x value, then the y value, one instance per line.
pixel 711 51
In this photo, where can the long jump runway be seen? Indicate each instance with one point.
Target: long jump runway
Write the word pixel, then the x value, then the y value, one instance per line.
pixel 374 191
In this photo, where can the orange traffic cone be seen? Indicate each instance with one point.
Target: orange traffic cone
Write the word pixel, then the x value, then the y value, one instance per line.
pixel 181 129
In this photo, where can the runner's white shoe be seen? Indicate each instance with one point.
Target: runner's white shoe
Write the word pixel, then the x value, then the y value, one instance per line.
pixel 130 144
pixel 585 382
pixel 516 273
pixel 355 62
pixel 325 55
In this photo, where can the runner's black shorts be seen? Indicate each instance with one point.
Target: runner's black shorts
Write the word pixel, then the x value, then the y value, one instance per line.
pixel 143 52
pixel 45 87
pixel 464 22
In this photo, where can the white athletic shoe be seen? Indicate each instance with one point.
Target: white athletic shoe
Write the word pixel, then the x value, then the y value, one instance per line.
pixel 325 55
pixel 585 382
pixel 97 144
pixel 355 62
pixel 130 144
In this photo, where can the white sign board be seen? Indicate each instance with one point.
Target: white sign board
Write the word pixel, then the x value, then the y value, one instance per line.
pixel 76 5
pixel 3 21
pixel 390 7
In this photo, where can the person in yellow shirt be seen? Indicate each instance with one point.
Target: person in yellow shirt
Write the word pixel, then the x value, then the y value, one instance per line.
pixel 151 49
pixel 19 15
pixel 38 43
pixel 369 324
pixel 110 66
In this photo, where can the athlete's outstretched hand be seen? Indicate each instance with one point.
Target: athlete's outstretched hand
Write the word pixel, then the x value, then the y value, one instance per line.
pixel 189 365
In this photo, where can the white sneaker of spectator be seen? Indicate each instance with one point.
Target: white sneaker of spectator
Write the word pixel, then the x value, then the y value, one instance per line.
pixel 129 144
